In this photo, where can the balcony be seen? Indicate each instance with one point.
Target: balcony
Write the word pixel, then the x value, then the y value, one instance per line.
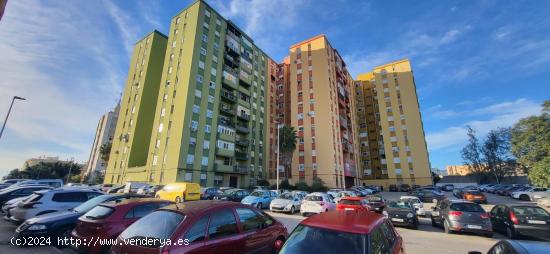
pixel 223 168
pixel 240 169
pixel 246 65
pixel 343 122
pixel 228 95
pixel 224 152
pixel 227 110
pixel 243 116
pixel 222 120
pixel 245 78
pixel 229 78
pixel 242 142
pixel 241 156
pixel 233 47
pixel 242 129
pixel 226 137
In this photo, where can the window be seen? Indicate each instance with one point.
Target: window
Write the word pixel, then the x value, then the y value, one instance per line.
pixel 140 211
pixel 194 125
pixel 155 158
pixel 207 128
pixel 378 242
pixel 389 233
pixel 198 93
pixel 210 98
pixel 206 144
pixel 69 197
pixel 204 161
pixel 196 109
pixel 222 224
pixel 197 232
pixel 213 71
pixel 161 126
pixel 199 78
pixel 207 13
pixel 209 113
pixel 190 159
pixel 204 38
pixel 249 219
pixel 201 65
pixel 212 84
pixel 162 112
pixel 188 177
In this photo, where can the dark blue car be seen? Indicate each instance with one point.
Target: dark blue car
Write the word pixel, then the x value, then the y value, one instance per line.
pixel 61 224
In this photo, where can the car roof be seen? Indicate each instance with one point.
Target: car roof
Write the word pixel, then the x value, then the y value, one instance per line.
pixel 345 221
pixel 200 206
pixel 530 246
pixel 352 198
pixel 132 201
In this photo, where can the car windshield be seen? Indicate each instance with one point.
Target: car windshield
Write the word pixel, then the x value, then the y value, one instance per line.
pixel 99 212
pixel 467 207
pixel 230 191
pixel 88 205
pixel 314 198
pixel 400 204
pixel 156 225
pixel 529 211
pixel 374 198
pixel 474 192
pixel 349 202
pixel 286 196
pixel 305 240
pixel 257 193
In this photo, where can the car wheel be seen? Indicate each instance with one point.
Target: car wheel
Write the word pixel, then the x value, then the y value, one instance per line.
pixel 447 228
pixel 488 235
pixel 259 206
pixel 510 233
pixel 178 200
pixel 415 225
pixel 524 197
pixel 292 210
pixel 433 222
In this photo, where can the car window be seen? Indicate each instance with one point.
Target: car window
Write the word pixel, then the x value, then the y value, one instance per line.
pixel 378 242
pixel 495 211
pixel 99 212
pixel 500 248
pixel 68 197
pixel 24 192
pixel 467 207
pixel 314 198
pixel 156 225
pixel 222 224
pixel 388 232
pixel 197 232
pixel 305 240
pixel 350 202
pixel 529 211
pixel 91 195
pixel 249 219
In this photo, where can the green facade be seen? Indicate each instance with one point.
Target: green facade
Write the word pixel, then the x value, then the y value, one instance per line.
pixel 209 122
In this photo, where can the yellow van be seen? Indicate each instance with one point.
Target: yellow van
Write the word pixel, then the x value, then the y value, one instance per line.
pixel 180 192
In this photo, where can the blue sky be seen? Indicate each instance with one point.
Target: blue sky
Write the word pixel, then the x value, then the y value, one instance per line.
pixel 482 63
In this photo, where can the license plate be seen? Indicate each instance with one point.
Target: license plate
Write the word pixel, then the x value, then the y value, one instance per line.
pixel 473 226
pixel 396 219
pixel 536 222
pixel 348 209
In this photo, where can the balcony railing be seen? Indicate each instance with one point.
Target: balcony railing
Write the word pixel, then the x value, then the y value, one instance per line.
pixel 239 169
pixel 227 110
pixel 242 116
pixel 241 155
pixel 241 142
pixel 229 78
pixel 226 94
pixel 245 77
pixel 242 128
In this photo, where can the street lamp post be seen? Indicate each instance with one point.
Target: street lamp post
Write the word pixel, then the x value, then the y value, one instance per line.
pixel 9 111
pixel 278 154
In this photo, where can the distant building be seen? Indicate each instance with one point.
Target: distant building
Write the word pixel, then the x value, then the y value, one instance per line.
pixel 104 134
pixel 458 170
pixel 48 159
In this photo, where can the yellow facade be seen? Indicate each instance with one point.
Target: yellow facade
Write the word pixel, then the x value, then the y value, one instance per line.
pixel 389 118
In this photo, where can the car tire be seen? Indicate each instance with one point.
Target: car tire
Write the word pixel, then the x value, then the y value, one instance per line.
pixel 511 233
pixel 178 200
pixel 292 210
pixel 447 228
pixel 524 197
pixel 415 225
pixel 434 224
pixel 488 235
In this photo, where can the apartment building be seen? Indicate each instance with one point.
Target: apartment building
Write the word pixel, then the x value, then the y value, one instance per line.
pixel 104 134
pixel 208 121
pixel 321 110
pixel 391 134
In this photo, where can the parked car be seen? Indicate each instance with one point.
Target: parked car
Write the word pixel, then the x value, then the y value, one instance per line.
pixel 133 187
pixel 404 188
pixel 524 194
pixel 344 232
pixel 427 196
pixel 104 187
pixel 208 193
pixel 116 189
pixel 49 201
pixel 361 191
pixel 6 208
pixel 393 188
pixel 374 188
pixel 20 191
pixel 8 182
pixel 55 183
pixel 341 194
pixel 60 224
pixel 536 195
pixel 448 187
pixel 461 216
pixel 502 191
pixel 180 192
pixel 494 188
pixel 508 192
pixel 287 202
pixel 401 213
pixel 259 198
pixel 475 196
pixel 209 226
pixel 149 190
pixel 376 202
pixel 317 202
pixel 544 202
pixel 358 204
pixel 483 187
pixel 517 247
pixel 235 195
pixel 108 220
pixel 521 220
pixel 417 204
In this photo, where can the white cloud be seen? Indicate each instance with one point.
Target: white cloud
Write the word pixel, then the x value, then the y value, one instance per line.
pixel 503 114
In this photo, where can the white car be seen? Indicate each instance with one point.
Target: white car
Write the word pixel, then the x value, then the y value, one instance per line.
pixel 317 202
pixel 10 205
pixel 48 201
pixel 417 204
pixel 525 195
pixel 544 202
pixel 536 195
pixel 286 202
pixel 339 195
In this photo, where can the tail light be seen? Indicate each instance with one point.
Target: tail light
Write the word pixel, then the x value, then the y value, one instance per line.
pixel 514 218
pixel 278 244
pixel 455 213
pixel 484 216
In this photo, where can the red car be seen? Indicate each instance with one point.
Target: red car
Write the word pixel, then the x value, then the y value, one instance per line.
pixel 204 226
pixel 344 232
pixel 108 220
pixel 353 204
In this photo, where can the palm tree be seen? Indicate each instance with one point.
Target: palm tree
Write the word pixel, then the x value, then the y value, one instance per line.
pixel 287 145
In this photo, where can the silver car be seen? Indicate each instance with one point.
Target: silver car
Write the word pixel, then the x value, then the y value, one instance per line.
pixel 286 202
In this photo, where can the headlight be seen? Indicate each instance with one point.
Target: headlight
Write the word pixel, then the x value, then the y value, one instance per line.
pixel 410 215
pixel 37 227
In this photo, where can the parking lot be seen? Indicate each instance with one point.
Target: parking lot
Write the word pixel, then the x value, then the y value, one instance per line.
pixel 426 239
